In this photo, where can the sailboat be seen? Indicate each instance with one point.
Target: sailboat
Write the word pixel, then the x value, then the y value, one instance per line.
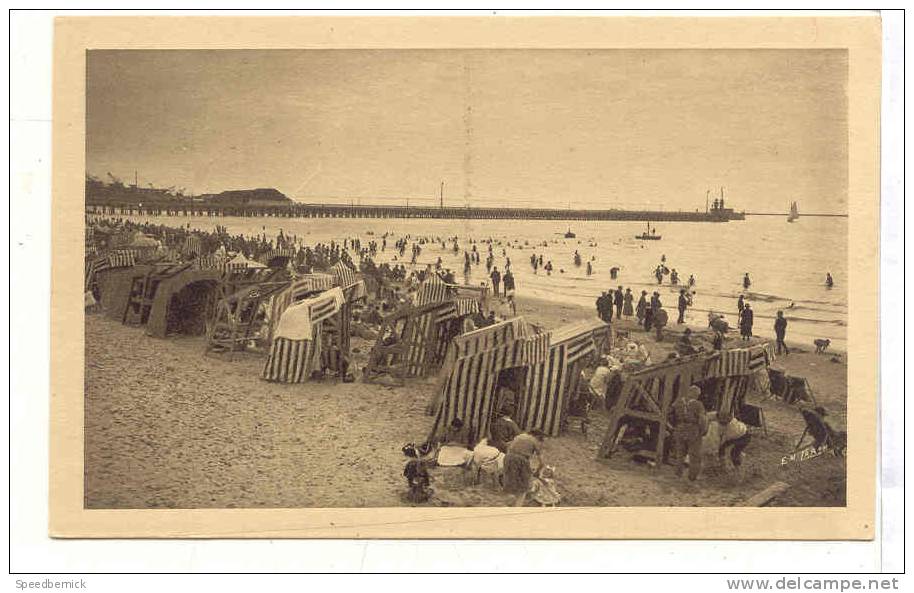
pixel 794 213
pixel 648 235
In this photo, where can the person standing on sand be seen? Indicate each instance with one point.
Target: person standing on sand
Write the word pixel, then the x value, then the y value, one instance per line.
pixel 618 299
pixel 641 309
pixel 829 281
pixel 508 281
pixel 746 282
pixel 740 304
pixel 496 280
pixel 601 307
pixel 690 422
pixel 627 309
pixel 683 305
pixel 745 322
pixel 780 332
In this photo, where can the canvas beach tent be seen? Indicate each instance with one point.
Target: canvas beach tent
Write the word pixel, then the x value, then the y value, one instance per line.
pixel 298 341
pixel 648 394
pixel 542 370
pixel 553 382
pixel 144 283
pixel 183 302
pixel 475 363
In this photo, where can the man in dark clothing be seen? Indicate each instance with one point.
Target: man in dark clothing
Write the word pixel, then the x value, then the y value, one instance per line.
pixel 683 305
pixel 745 322
pixel 690 423
pixel 746 282
pixel 496 281
pixel 618 299
pixel 740 304
pixel 780 331
pixel 508 282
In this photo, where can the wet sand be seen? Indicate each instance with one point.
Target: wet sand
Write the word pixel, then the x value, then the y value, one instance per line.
pixel 170 427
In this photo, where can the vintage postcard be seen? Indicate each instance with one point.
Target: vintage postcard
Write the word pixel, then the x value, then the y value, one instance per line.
pixel 533 277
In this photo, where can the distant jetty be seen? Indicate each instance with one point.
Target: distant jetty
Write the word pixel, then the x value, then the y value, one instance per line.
pixel 119 199
pixel 376 211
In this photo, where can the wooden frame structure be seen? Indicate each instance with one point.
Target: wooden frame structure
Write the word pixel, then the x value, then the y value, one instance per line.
pixel 413 341
pixel 648 394
pixel 237 317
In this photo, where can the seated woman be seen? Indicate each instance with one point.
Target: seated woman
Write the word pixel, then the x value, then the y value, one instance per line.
pixel 503 431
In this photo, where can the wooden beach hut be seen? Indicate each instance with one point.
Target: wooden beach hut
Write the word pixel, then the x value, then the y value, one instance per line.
pixel 648 394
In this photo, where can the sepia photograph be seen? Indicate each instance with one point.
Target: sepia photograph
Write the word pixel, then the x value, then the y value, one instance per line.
pixel 321 278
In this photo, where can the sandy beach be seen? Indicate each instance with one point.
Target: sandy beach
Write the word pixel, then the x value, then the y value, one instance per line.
pixel 169 427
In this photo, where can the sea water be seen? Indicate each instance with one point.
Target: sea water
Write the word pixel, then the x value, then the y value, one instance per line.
pixel 786 262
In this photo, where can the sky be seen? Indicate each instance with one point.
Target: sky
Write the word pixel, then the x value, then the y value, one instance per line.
pixel 536 128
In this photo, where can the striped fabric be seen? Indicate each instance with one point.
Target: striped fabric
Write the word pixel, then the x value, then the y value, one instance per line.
pixel 554 373
pixel 94 265
pixel 544 398
pixel 122 258
pixel 292 361
pixel 729 363
pixel 466 306
pixel 433 290
pixel 429 336
pixel 280 252
pixel 343 274
pixel 213 261
pixel 193 245
pixel 487 338
pixel 537 348
pixel 304 285
pixel 324 308
pixel 468 391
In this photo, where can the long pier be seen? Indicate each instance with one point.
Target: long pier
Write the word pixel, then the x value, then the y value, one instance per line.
pixel 299 210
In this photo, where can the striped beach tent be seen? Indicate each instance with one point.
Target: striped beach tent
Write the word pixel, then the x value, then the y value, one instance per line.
pixel 468 380
pixel 432 290
pixel 297 343
pixel 554 375
pixel 343 274
pixel 193 245
pixel 211 261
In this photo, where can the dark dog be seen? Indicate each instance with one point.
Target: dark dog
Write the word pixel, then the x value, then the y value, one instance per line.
pixel 821 345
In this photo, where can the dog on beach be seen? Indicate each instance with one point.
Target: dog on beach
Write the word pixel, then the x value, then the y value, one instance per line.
pixel 821 345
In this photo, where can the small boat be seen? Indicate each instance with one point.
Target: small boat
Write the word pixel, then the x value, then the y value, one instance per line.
pixel 794 212
pixel 648 235
pixel 570 235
